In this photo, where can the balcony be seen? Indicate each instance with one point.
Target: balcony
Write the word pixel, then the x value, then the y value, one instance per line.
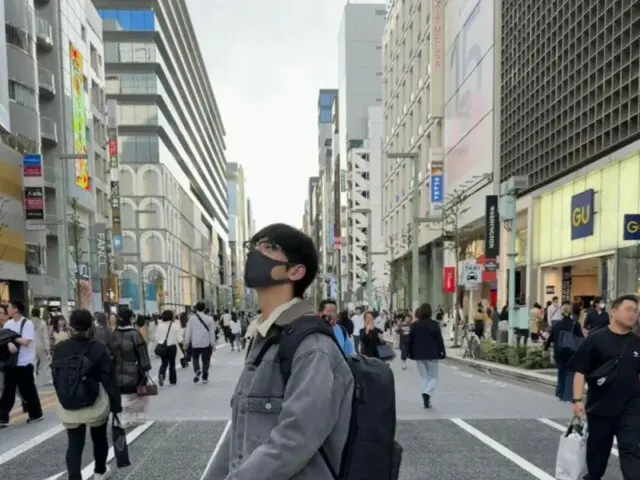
pixel 44 34
pixel 48 132
pixel 47 83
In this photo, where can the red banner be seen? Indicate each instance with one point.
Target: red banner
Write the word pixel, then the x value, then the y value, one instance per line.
pixel 449 279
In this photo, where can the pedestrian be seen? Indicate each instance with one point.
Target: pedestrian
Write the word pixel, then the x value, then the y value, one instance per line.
pixel 285 430
pixel 609 362
pixel 59 332
pixel 328 310
pixel 225 323
pixel 101 330
pixel 598 317
pixel 201 335
pixel 87 390
pixel 535 319
pixel 43 350
pixel 358 324
pixel 403 329
pixel 554 312
pixel 370 337
pixel 426 348
pixel 166 340
pixel 21 376
pixel 185 349
pixel 236 330
pixel 347 324
pixel 564 337
pixel 131 364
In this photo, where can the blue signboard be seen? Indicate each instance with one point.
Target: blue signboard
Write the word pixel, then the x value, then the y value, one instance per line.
pixel 32 160
pixel 631 227
pixel 437 191
pixel 582 223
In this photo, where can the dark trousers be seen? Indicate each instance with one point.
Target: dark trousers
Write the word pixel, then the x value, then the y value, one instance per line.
pixel 626 428
pixel 77 437
pixel 205 354
pixel 227 334
pixel 564 385
pixel 404 348
pixel 20 379
pixel 169 360
pixel 356 343
pixel 233 340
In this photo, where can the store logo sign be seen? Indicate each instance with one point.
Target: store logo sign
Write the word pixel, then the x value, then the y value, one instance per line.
pixel 631 227
pixel 582 206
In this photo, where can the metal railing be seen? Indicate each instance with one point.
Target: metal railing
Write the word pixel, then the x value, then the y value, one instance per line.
pixel 46 79
pixel 49 129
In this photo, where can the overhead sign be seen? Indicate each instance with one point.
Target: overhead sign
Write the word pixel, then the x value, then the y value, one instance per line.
pixel 471 275
pixel 631 227
pixel 491 229
pixel 582 210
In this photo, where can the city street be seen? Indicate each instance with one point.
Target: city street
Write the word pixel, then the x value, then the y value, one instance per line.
pixel 481 428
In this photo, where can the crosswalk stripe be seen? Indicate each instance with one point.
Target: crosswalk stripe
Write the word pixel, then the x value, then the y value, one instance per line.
pixel 29 444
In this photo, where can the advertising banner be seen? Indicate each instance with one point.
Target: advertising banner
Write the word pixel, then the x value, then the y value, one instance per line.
pixel 79 116
pixel 4 79
pixel 436 185
pixel 102 250
pixel 491 229
pixel 449 279
pixel 582 223
pixel 437 58
pixel 566 284
pixel 33 184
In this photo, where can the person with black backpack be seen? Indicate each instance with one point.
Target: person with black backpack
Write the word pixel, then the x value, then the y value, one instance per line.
pixel 87 390
pixel 301 408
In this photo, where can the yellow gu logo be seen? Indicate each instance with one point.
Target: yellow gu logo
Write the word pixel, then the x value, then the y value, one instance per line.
pixel 581 215
pixel 632 226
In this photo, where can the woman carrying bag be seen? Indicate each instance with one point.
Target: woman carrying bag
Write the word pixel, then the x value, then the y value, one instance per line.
pixel 87 391
pixel 167 337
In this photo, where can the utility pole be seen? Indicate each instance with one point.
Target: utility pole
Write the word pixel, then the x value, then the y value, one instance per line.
pixel 508 212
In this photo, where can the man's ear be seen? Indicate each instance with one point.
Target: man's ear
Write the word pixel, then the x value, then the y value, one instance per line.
pixel 297 272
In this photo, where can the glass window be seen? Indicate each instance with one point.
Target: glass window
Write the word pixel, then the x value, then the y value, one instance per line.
pixel 139 149
pixel 137 114
pixel 133 20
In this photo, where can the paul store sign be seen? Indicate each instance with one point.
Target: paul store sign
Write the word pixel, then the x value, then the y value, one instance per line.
pixel 582 212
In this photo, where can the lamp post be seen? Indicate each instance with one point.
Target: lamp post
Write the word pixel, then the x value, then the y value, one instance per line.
pixel 61 179
pixel 415 208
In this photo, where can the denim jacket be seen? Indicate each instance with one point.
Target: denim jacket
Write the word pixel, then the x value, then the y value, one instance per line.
pixel 276 432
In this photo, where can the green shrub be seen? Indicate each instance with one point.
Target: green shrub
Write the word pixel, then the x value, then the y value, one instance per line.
pixel 529 357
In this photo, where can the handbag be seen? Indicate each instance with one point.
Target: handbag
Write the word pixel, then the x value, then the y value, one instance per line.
pixel 162 349
pixel 571 459
pixel 147 388
pixel 568 340
pixel 120 447
pixel 386 352
pixel 605 374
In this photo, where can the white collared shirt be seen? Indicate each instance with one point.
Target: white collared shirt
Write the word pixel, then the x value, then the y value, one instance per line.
pixel 258 325
pixel 26 354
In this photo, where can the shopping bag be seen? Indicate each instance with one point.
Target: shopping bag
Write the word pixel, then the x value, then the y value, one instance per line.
pixel 120 447
pixel 571 461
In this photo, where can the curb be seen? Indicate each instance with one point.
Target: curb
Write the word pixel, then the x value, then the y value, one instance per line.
pixel 496 369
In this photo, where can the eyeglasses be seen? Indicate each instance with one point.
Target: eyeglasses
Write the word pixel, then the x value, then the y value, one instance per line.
pixel 265 246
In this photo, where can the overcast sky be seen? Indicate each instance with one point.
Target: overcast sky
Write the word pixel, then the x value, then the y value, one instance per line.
pixel 266 61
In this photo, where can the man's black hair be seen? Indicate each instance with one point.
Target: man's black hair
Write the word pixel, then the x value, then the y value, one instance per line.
pixel 35 312
pixel 167 315
pixel 325 302
pixel 18 305
pixel 199 306
pixel 597 300
pixel 424 311
pixel 623 298
pixel 81 320
pixel 297 246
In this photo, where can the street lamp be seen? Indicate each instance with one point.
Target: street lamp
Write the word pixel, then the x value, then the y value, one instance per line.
pixel 61 179
pixel 370 254
pixel 415 207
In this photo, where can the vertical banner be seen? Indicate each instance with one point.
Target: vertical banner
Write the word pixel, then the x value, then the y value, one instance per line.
pixel 491 233
pixel 566 284
pixel 437 59
pixel 449 279
pixel 79 116
pixel 436 183
pixel 33 184
pixel 101 249
pixel 116 223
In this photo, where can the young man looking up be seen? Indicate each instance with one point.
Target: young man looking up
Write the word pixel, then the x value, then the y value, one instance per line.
pixel 329 311
pixel 277 432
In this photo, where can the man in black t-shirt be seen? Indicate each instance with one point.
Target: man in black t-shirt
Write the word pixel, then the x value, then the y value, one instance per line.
pixel 597 317
pixel 609 362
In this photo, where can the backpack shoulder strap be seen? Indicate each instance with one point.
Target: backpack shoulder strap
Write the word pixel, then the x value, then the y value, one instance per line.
pixel 293 335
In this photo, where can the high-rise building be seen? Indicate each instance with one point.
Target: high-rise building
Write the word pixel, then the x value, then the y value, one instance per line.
pixel 360 74
pixel 238 231
pixel 172 174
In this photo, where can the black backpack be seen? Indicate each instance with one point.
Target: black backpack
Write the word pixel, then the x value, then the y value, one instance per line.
pixel 73 381
pixel 371 451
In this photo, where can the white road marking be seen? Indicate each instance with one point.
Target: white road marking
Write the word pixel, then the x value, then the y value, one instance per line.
pixel 502 450
pixel 217 449
pixel 563 428
pixel 29 444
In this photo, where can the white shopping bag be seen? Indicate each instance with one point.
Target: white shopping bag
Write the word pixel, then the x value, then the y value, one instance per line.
pixel 571 462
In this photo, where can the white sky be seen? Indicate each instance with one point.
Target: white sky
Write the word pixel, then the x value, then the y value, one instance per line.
pixel 266 61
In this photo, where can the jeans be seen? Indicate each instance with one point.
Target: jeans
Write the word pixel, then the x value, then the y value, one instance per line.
pixel 564 386
pixel 233 340
pixel 356 343
pixel 626 427
pixel 75 447
pixel 428 370
pixel 169 360
pixel 205 353
pixel 21 379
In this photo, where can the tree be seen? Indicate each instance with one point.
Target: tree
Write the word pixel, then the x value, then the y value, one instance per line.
pixel 451 233
pixel 76 229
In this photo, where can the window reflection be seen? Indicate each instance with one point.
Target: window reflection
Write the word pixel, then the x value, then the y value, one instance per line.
pixel 132 20
pixel 144 83
pixel 137 114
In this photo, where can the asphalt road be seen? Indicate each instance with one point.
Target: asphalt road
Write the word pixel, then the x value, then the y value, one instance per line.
pixel 481 428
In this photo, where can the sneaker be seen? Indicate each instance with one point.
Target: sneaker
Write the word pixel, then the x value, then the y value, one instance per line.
pixel 161 380
pixel 4 425
pixel 205 381
pixel 103 476
pixel 35 420
pixel 196 379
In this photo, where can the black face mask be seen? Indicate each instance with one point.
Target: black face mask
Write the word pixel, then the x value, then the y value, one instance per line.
pixel 257 271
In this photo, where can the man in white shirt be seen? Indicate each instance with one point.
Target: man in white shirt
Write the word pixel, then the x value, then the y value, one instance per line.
pixel 20 377
pixel 358 324
pixel 554 312
pixel 201 335
pixel 225 320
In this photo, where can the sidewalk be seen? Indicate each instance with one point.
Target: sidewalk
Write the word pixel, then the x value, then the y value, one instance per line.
pixel 542 377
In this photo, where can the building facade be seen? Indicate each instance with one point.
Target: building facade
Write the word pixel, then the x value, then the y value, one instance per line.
pixel 171 150
pixel 238 232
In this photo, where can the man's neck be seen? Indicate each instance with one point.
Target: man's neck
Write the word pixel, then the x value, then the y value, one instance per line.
pixel 17 317
pixel 619 329
pixel 269 303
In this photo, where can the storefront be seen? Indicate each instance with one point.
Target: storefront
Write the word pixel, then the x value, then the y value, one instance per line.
pixel 578 231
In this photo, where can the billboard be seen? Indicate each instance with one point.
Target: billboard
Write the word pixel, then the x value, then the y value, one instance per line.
pixel 33 189
pixel 4 80
pixel 469 90
pixel 79 116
